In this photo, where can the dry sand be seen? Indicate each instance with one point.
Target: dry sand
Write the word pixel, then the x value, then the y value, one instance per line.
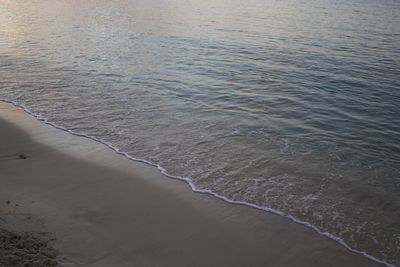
pixel 105 210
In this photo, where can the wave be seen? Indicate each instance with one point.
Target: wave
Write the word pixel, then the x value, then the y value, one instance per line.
pixel 193 187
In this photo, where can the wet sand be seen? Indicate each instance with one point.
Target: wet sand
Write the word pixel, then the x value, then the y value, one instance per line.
pixel 105 210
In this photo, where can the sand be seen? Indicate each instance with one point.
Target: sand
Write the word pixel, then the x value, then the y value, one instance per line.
pixel 89 206
pixel 25 249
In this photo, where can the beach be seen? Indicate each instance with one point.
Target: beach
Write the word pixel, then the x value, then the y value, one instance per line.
pixel 280 107
pixel 97 208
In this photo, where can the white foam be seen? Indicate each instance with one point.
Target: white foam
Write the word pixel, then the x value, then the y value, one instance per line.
pixel 199 190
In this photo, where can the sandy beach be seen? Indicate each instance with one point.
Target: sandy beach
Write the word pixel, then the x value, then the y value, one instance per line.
pixel 89 206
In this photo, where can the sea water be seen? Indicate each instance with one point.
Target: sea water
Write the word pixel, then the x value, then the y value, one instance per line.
pixel 290 106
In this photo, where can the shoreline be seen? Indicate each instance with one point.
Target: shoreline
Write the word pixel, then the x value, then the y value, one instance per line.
pixel 260 238
pixel 194 189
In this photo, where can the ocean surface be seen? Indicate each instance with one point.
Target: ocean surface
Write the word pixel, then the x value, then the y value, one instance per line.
pixel 291 106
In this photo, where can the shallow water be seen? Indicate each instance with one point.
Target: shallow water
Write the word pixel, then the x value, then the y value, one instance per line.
pixel 288 105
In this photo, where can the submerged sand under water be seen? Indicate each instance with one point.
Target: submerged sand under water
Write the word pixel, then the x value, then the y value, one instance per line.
pixel 101 209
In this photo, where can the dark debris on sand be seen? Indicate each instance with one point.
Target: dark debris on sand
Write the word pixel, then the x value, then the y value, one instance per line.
pixel 25 250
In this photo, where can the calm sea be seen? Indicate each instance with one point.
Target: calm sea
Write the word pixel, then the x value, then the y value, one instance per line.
pixel 292 106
